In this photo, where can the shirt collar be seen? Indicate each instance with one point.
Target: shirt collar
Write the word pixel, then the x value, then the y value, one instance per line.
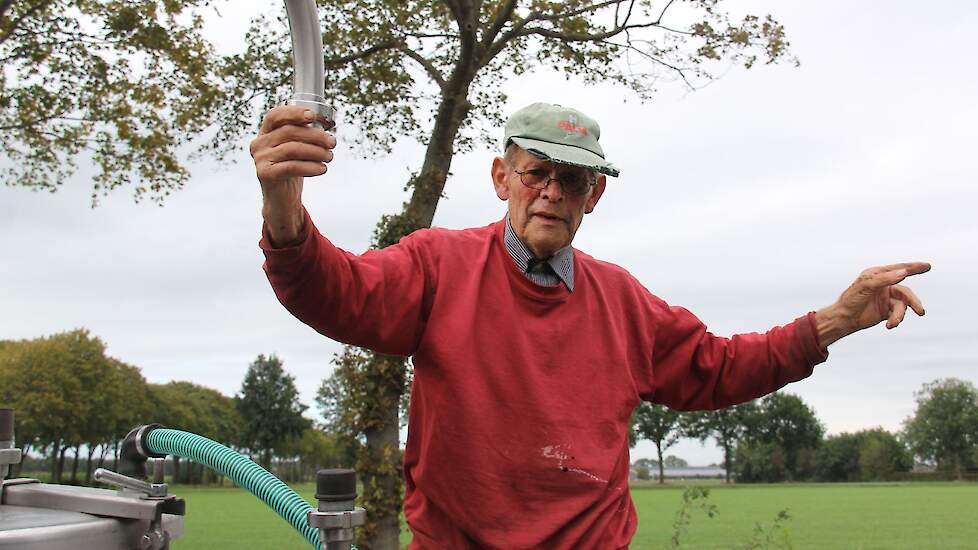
pixel 562 262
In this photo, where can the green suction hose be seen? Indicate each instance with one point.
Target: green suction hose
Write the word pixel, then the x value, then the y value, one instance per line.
pixel 242 470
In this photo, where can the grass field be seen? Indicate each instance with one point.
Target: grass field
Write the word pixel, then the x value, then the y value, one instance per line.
pixel 836 516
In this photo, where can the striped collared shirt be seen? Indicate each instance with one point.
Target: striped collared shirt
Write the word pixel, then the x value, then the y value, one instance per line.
pixel 548 272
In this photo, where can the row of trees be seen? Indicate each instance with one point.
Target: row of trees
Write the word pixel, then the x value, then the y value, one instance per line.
pixel 779 438
pixel 71 397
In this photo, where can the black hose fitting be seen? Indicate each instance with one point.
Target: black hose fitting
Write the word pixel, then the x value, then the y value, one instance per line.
pixel 134 452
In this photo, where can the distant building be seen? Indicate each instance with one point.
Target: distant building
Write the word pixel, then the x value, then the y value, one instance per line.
pixel 692 472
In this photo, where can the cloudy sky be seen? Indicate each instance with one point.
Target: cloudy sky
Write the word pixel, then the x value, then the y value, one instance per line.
pixel 749 202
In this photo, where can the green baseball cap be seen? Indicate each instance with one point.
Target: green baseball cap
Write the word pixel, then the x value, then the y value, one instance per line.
pixel 558 134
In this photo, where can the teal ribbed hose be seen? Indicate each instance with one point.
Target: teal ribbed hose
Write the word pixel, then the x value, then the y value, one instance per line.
pixel 240 469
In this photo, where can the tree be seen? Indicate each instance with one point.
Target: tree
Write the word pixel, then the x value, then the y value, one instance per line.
pixel 270 408
pixel 726 426
pixel 25 430
pixel 51 382
pixel 760 462
pixel 673 461
pixel 882 454
pixel 781 442
pixel 317 449
pixel 120 402
pixel 197 409
pixel 125 84
pixel 362 398
pixel 660 425
pixel 944 428
pixel 867 455
pixel 837 459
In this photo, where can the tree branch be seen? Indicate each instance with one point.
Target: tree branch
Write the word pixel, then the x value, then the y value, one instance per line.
pixel 428 66
pixel 467 17
pixel 501 43
pixel 30 123
pixel 16 22
pixel 519 27
pixel 583 37
pixel 630 47
pixel 663 12
pixel 388 45
pixel 585 9
pixel 431 35
pixel 455 7
pixel 4 6
pixel 499 21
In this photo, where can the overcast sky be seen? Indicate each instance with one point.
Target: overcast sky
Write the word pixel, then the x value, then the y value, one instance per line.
pixel 749 202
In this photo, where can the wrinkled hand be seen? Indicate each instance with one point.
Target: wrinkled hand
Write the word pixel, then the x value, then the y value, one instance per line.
pixel 288 148
pixel 875 296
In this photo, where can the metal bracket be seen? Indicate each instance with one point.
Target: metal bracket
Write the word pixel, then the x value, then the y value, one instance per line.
pixel 148 490
pixel 347 519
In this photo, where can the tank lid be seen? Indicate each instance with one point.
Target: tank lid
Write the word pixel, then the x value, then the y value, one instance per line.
pixel 334 484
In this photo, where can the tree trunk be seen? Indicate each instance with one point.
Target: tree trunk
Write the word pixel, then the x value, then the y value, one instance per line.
pixel 61 462
pixel 430 182
pixel 55 448
pixel 662 468
pixel 176 469
pixel 88 465
pixel 101 458
pixel 726 461
pixel 16 468
pixel 383 451
pixel 74 465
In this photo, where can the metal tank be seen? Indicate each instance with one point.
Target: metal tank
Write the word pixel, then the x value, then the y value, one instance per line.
pixel 42 516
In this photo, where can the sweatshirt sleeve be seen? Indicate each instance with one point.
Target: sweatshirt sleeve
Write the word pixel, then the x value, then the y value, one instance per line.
pixel 375 300
pixel 694 370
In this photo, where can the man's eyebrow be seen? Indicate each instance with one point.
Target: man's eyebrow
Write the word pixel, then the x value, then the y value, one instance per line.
pixel 534 164
pixel 569 169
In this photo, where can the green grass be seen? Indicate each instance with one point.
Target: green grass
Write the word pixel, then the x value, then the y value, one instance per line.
pixel 233 518
pixel 836 516
pixel 850 516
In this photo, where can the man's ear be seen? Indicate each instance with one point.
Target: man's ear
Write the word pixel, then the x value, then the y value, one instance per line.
pixel 596 193
pixel 500 169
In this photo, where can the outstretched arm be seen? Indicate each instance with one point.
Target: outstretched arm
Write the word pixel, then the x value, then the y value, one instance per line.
pixel 693 369
pixel 875 296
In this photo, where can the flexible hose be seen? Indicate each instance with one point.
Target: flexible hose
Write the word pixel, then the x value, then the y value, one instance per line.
pixel 240 469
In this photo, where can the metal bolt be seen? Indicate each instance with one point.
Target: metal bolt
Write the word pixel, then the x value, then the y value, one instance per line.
pixel 159 473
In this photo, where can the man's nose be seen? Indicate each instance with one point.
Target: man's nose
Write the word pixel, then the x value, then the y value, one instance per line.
pixel 554 191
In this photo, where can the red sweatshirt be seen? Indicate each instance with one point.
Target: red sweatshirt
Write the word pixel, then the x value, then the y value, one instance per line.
pixel 517 436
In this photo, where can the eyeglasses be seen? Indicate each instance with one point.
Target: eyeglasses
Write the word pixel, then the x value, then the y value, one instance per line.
pixel 572 183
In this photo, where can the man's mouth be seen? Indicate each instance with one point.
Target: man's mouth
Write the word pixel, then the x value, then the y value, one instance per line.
pixel 548 216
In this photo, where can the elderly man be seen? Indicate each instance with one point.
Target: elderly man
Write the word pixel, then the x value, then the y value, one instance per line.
pixel 529 355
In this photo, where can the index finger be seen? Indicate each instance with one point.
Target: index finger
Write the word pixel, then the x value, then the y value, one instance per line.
pixel 285 114
pixel 912 268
